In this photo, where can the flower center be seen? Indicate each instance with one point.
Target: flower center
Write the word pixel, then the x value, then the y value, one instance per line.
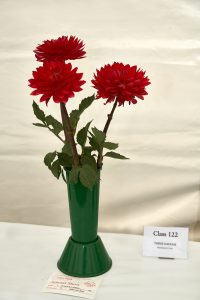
pixel 56 75
pixel 121 86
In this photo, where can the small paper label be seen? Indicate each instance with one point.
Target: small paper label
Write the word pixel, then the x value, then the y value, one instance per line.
pixel 60 283
pixel 170 242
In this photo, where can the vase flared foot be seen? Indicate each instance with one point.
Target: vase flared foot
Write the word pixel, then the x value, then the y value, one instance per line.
pixel 84 259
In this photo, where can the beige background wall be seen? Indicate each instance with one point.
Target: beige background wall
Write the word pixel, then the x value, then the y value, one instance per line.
pixel 160 184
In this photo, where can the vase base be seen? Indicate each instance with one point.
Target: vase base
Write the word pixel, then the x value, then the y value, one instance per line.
pixel 84 259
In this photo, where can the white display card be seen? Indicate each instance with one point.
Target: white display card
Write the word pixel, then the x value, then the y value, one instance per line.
pixel 166 242
pixel 60 283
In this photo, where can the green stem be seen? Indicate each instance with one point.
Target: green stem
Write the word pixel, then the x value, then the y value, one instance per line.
pixel 68 131
pixel 110 116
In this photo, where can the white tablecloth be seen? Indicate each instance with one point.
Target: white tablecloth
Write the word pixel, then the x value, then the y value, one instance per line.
pixel 28 256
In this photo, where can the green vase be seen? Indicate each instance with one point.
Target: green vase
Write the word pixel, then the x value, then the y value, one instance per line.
pixel 84 254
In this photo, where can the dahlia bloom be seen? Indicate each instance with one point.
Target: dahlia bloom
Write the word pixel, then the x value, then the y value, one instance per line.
pixel 121 82
pixel 57 80
pixel 61 49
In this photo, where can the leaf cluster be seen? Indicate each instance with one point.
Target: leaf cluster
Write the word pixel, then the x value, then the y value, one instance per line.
pixel 91 140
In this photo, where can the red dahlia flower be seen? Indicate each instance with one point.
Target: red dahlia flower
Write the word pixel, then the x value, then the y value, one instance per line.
pixel 61 49
pixel 57 80
pixel 121 82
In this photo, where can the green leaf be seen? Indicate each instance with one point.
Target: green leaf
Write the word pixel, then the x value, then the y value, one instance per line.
pixel 65 160
pixel 74 117
pixel 38 112
pixel 94 144
pixel 110 146
pixel 115 155
pixel 82 135
pixel 67 149
pixel 85 103
pixel 49 158
pixel 99 135
pixel 76 113
pixel 39 125
pixel 56 168
pixel 87 150
pixel 73 175
pixel 57 126
pixel 89 160
pixel 88 176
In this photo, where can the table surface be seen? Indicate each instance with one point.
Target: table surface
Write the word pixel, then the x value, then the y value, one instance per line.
pixel 28 256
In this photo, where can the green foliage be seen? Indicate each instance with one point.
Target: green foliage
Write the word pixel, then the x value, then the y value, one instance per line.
pixel 74 174
pixel 85 103
pixel 49 158
pixel 49 122
pixel 88 176
pixel 64 160
pixel 97 139
pixel 76 113
pixel 56 168
pixel 74 117
pixel 38 112
pixel 110 146
pixel 115 155
pixel 82 135
pixel 39 125
pixel 99 136
pixel 89 160
pixel 57 126
pixel 67 149
pixel 87 172
pixel 94 144
pixel 87 150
